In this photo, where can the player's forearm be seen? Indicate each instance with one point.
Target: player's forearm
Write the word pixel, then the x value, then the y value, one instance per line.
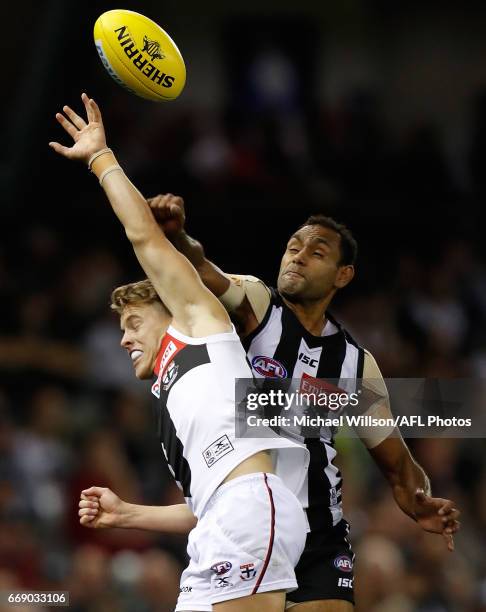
pixel 211 275
pixel 405 481
pixel 191 248
pixel 127 202
pixel 168 519
pixel 174 278
pixel 402 472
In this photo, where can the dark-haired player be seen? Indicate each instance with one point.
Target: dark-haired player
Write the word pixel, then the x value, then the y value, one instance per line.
pixel 289 332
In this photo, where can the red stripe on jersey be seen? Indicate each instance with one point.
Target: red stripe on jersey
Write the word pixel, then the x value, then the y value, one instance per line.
pixel 168 350
pixel 272 536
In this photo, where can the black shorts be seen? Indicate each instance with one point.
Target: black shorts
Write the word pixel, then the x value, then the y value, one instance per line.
pixel 325 569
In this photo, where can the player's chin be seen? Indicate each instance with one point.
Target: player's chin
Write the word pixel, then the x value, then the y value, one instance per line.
pixel 142 372
pixel 291 288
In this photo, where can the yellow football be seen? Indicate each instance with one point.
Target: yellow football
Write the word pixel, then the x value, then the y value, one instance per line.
pixel 139 55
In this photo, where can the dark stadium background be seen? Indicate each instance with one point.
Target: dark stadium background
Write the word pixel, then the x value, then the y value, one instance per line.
pixel 374 112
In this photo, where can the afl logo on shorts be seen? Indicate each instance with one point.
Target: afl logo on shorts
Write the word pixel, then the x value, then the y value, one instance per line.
pixel 343 563
pixel 266 366
pixel 223 567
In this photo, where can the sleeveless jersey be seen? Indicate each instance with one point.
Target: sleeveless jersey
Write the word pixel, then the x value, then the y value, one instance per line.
pixel 281 347
pixel 195 386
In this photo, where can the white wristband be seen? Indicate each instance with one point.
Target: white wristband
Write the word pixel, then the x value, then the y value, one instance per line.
pixel 98 154
pixel 105 173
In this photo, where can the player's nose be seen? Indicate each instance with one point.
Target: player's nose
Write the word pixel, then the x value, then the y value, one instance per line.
pixel 299 257
pixel 125 341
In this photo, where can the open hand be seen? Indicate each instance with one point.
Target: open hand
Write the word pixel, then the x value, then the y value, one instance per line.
pixel 437 515
pixel 89 138
pixel 100 508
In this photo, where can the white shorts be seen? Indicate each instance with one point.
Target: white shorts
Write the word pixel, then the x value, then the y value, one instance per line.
pixel 248 541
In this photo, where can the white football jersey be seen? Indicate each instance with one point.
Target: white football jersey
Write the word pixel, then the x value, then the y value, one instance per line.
pixel 195 385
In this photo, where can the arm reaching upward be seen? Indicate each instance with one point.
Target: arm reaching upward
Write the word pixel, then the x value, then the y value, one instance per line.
pixel 245 297
pixel 170 214
pixel 195 311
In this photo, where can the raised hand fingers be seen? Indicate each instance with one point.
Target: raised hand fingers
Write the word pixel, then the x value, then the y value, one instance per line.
pixel 61 149
pixel 96 111
pixel 67 125
pixel 88 107
pixel 78 121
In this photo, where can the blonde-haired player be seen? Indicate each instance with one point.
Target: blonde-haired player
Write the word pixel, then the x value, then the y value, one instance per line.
pixel 251 528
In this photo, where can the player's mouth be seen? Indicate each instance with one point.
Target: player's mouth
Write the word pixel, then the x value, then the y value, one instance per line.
pixel 294 274
pixel 135 355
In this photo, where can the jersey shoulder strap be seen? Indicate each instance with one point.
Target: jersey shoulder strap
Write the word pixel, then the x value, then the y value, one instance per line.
pixel 273 299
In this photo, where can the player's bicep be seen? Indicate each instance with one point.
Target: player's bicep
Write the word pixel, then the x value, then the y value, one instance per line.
pixel 247 299
pixel 249 287
pixel 375 403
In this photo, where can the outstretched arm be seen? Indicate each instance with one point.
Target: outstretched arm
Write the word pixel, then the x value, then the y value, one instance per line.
pixel 100 508
pixel 408 481
pixel 246 300
pixel 411 489
pixel 195 310
pixel 170 214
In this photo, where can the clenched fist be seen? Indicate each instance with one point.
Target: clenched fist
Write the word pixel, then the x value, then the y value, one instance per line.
pixel 100 508
pixel 169 213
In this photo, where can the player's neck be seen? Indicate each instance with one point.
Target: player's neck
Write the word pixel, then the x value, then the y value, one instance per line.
pixel 311 315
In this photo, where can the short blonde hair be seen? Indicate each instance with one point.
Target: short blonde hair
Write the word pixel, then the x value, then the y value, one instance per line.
pixel 133 294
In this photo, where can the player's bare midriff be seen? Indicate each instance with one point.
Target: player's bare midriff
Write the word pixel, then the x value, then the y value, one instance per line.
pixel 259 462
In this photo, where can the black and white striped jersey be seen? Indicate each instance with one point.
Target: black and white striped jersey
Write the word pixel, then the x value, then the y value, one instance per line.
pixel 281 347
pixel 195 386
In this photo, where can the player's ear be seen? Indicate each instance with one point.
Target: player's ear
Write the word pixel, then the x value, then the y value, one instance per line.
pixel 344 276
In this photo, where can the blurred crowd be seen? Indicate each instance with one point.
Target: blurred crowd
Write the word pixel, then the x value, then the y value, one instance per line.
pixel 72 415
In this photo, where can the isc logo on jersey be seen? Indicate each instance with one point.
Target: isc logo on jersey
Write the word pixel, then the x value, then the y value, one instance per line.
pixel 266 366
pixel 308 360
